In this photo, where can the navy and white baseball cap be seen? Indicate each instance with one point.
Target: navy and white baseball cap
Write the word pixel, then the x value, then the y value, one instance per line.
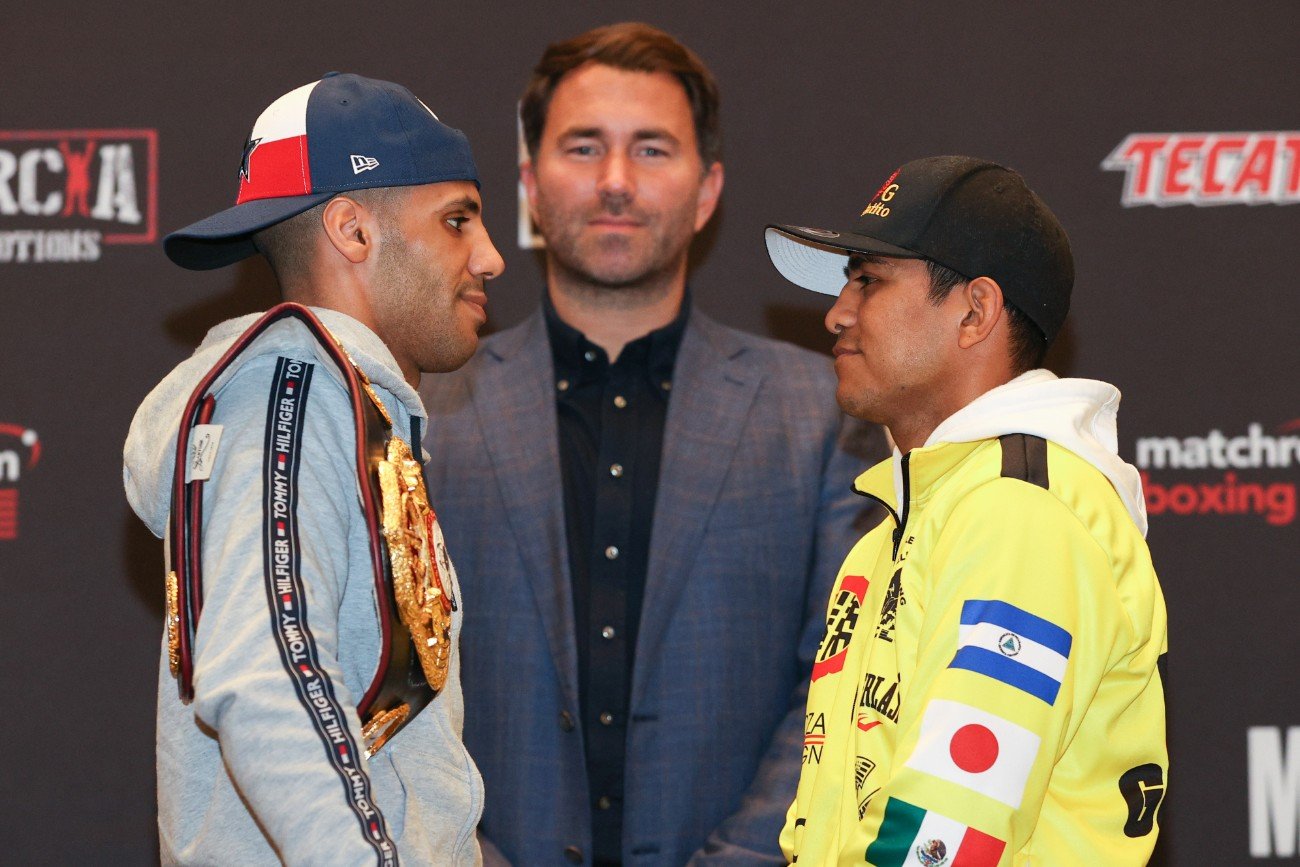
pixel 344 132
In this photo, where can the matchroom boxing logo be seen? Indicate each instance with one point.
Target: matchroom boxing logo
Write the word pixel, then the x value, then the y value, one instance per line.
pixel 65 194
pixel 1208 168
pixel 20 451
pixel 1222 474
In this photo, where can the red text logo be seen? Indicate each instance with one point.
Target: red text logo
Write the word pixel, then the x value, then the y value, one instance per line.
pixel 1208 168
pixel 64 194
pixel 1222 474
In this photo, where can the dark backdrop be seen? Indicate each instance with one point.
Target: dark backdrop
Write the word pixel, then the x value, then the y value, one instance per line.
pixel 1190 309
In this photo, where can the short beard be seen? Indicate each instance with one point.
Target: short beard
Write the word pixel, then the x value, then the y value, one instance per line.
pixel 409 288
pixel 635 282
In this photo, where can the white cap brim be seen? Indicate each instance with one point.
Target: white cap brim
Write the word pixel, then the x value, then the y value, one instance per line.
pixel 816 258
pixel 819 267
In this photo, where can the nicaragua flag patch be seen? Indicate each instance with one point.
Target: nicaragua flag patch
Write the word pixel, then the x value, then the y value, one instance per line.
pixel 1009 644
pixel 975 749
pixel 914 837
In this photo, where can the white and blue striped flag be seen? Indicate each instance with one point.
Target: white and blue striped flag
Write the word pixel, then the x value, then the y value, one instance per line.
pixel 1009 644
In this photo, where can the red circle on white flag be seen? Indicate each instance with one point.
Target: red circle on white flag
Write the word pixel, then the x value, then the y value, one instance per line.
pixel 974 748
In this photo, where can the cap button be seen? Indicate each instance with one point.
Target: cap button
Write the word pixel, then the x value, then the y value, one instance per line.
pixel 331 74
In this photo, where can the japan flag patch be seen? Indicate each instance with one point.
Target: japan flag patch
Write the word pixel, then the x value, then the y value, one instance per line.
pixel 975 749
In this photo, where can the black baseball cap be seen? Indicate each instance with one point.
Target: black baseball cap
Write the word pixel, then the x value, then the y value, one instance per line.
pixel 344 132
pixel 976 217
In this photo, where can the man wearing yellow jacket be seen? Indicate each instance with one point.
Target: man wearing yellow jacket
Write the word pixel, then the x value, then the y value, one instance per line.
pixel 988 691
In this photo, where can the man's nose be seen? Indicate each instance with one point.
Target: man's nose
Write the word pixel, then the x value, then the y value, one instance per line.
pixel 843 313
pixel 486 261
pixel 616 178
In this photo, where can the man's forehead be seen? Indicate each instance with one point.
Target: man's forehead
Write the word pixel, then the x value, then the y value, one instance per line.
pixel 595 78
pixel 607 98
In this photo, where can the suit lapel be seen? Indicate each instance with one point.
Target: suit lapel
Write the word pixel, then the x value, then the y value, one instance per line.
pixel 515 402
pixel 713 389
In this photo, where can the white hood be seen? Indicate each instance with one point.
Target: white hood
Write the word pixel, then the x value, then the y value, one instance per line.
pixel 1077 414
pixel 148 459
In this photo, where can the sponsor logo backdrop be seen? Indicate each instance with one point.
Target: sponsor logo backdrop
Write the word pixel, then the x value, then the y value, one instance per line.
pixel 118 124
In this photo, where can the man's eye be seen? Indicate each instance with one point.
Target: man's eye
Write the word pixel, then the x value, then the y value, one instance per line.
pixel 583 150
pixel 457 222
pixel 653 151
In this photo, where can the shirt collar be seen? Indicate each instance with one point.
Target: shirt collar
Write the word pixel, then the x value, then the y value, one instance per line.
pixel 577 358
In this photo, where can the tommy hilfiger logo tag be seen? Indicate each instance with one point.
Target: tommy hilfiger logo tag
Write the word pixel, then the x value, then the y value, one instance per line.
pixel 363 164
pixel 204 440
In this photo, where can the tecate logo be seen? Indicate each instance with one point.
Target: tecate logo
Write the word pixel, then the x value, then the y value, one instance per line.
pixel 66 194
pixel 1223 474
pixel 1208 168
pixel 20 451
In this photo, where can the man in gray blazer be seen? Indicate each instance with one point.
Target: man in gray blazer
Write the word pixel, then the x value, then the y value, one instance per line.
pixel 647 507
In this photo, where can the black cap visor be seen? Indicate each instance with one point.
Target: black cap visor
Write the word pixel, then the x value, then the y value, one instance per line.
pixel 226 237
pixel 816 258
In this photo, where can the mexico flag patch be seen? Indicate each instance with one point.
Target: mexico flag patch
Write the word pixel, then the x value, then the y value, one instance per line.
pixel 913 837
pixel 975 749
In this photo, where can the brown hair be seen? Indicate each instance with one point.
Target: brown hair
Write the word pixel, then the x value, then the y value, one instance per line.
pixel 635 47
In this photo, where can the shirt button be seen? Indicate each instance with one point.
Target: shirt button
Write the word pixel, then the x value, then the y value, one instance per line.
pixel 604 802
pixel 562 385
pixel 616 470
pixel 573 854
pixel 620 401
pixel 607 719
pixel 590 355
pixel 607 633
pixel 611 553
pixel 666 385
pixel 566 721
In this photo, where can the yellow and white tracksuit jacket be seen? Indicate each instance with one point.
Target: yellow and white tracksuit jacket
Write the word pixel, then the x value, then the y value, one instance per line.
pixel 988 692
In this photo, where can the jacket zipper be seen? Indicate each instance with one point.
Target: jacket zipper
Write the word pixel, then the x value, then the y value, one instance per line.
pixel 899 522
pixel 907 498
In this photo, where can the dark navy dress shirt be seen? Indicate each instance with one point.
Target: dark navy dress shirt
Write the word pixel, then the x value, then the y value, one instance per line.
pixel 611 430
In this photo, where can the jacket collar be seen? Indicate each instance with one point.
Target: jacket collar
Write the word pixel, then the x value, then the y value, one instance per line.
pixel 919 473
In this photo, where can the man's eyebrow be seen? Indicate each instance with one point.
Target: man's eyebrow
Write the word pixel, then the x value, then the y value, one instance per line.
pixel 464 203
pixel 582 132
pixel 654 133
pixel 598 132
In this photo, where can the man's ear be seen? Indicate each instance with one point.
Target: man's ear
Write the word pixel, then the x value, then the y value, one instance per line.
pixel 350 228
pixel 529 178
pixel 983 306
pixel 710 192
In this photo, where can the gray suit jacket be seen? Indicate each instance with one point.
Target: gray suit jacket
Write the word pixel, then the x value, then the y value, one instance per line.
pixel 753 516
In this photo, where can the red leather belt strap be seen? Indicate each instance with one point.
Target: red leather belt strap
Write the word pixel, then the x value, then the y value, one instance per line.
pixel 399 678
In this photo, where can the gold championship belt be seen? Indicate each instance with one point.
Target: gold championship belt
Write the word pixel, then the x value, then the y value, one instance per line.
pixel 407 554
pixel 418 558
